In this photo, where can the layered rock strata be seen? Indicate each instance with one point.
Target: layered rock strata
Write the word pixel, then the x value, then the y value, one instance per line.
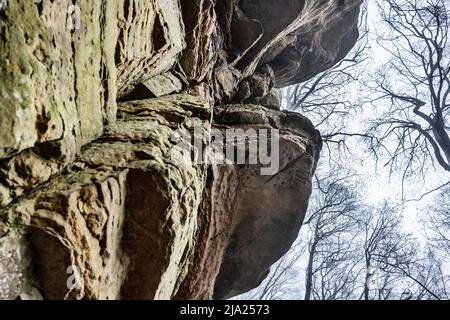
pixel 101 194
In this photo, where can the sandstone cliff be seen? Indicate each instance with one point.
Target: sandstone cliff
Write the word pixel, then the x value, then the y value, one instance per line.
pixel 101 196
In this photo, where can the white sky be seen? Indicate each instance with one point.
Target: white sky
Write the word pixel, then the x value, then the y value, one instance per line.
pixel 380 186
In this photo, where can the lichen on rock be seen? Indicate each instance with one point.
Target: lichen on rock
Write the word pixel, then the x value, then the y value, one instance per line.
pixel 100 194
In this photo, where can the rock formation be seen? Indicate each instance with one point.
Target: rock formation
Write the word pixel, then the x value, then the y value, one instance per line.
pixel 107 191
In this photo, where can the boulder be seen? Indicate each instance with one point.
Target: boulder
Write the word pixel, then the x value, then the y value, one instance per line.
pixel 239 211
pixel 63 68
pixel 123 216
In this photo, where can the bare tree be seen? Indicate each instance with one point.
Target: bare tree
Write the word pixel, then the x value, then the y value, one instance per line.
pixel 330 271
pixel 414 86
pixel 423 278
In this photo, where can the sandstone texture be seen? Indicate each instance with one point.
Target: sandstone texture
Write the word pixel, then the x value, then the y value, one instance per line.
pixel 106 189
pixel 238 210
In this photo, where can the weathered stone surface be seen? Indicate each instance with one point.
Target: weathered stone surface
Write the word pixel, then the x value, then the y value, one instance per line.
pixel 326 33
pixel 256 86
pixel 124 212
pixel 238 211
pixel 52 83
pixel 57 88
pixel 109 189
pixel 240 49
pixel 203 37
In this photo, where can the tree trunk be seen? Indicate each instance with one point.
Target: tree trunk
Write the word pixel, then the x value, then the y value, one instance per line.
pixel 309 271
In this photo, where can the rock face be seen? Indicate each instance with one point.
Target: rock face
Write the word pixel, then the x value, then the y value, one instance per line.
pixel 238 209
pixel 272 100
pixel 129 191
pixel 103 193
pixel 61 77
pixel 281 42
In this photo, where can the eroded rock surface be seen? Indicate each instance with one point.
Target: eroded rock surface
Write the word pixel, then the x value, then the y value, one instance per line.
pixel 282 42
pixel 238 211
pixel 100 196
pixel 62 69
pixel 124 212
